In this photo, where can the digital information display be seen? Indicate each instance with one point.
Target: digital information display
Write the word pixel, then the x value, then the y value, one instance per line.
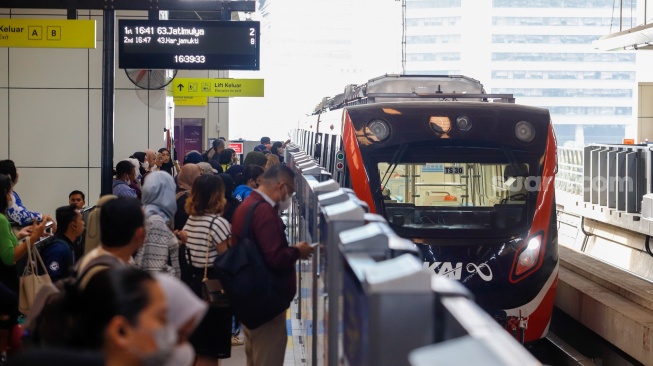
pixel 189 45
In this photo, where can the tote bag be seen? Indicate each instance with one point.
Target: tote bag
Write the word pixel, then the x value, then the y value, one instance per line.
pixel 31 282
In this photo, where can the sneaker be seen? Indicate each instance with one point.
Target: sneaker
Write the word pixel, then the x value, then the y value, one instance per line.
pixel 235 341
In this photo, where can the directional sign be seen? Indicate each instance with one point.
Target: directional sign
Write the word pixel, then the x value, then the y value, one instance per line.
pixel 200 87
pixel 47 33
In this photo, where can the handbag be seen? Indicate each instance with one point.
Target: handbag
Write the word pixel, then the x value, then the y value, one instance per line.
pixel 253 289
pixel 212 290
pixel 31 282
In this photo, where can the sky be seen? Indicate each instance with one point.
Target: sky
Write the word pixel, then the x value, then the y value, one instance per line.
pixel 311 49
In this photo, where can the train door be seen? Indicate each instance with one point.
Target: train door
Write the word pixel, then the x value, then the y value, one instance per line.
pixel 189 133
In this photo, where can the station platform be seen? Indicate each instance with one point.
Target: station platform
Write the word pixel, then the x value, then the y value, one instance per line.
pixel 294 355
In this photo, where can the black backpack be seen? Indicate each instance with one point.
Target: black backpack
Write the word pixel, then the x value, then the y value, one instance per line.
pixel 254 291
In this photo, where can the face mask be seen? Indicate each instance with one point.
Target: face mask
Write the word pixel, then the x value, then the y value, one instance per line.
pixel 182 355
pixel 146 165
pixel 285 203
pixel 165 338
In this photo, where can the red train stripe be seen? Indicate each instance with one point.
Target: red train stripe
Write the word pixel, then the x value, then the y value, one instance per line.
pixel 357 173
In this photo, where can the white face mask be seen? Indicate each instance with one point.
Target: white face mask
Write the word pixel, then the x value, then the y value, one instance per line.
pixel 182 355
pixel 285 203
pixel 146 165
pixel 165 338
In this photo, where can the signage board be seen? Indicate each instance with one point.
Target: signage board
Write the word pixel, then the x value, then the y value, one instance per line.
pixel 47 33
pixel 189 45
pixel 236 146
pixel 207 87
pixel 190 101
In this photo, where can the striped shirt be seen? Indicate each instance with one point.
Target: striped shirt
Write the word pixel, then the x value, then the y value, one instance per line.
pixel 197 228
pixel 160 252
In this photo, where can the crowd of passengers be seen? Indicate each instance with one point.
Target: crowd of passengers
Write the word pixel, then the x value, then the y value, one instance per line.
pixel 127 273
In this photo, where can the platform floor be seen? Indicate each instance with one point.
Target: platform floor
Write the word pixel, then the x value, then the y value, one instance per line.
pixel 294 353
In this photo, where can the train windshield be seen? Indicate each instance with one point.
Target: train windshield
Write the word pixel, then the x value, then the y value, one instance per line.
pixel 457 195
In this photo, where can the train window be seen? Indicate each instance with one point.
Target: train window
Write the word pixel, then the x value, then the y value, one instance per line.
pixel 456 184
pixel 456 195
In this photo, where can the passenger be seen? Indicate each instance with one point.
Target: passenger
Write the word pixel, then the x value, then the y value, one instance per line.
pixel 93 238
pixel 185 312
pixel 272 160
pixel 121 313
pixel 78 199
pixel 160 251
pixel 150 156
pixel 251 179
pixel 255 158
pixel 122 234
pixel 235 171
pixel 265 145
pixel 125 173
pixel 193 157
pixel 232 202
pixel 277 149
pixel 16 212
pixel 214 152
pixel 143 164
pixel 227 159
pixel 135 184
pixel 208 168
pixel 167 164
pixel 10 252
pixel 208 234
pixel 185 179
pixel 59 253
pixel 266 345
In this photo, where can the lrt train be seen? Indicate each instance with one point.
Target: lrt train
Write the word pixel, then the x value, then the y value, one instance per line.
pixel 467 176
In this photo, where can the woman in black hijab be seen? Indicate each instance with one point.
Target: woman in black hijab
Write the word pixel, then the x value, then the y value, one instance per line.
pixel 168 165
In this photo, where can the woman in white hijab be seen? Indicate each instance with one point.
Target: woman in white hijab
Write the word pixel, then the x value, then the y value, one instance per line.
pixel 160 251
pixel 185 311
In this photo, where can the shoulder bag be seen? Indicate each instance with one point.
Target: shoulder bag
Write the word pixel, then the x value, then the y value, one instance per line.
pixel 212 291
pixel 30 281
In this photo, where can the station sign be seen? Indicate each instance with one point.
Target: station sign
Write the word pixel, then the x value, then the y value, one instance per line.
pixel 188 45
pixel 190 101
pixel 47 33
pixel 208 87
pixel 236 146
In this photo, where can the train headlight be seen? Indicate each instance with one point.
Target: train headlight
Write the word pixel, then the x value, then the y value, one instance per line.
pixel 529 255
pixel 378 130
pixel 464 123
pixel 524 131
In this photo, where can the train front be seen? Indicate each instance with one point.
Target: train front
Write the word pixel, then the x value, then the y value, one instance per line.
pixel 472 183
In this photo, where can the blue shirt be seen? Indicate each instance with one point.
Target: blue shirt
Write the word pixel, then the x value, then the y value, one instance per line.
pixel 19 214
pixel 242 191
pixel 121 189
pixel 58 257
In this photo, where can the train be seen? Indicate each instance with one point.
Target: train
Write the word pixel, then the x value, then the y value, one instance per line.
pixel 467 176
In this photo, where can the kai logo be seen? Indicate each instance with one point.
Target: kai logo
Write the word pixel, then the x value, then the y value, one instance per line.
pixel 455 270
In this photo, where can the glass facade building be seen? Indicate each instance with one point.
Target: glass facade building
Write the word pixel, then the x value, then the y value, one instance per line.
pixel 540 51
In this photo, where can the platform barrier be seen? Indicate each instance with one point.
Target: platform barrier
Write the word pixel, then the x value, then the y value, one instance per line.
pixel 364 296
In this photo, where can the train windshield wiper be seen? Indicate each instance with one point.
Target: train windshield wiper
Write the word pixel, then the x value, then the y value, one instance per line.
pixel 396 158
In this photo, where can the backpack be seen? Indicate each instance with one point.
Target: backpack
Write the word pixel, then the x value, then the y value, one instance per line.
pixel 248 282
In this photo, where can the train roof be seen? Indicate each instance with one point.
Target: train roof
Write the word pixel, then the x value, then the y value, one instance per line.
pixel 390 88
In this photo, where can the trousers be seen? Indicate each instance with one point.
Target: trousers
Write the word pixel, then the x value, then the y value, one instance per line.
pixel 266 345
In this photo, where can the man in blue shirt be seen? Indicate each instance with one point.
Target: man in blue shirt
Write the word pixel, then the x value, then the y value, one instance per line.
pixel 58 254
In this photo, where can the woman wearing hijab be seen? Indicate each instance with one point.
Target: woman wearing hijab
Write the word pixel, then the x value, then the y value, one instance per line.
pixel 185 179
pixel 167 164
pixel 185 311
pixel 160 251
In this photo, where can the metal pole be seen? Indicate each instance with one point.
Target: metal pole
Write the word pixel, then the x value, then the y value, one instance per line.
pixel 108 74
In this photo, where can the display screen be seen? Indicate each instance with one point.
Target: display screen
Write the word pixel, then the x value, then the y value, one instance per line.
pixel 190 45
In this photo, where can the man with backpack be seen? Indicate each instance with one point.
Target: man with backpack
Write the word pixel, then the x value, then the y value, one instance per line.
pixel 58 253
pixel 265 343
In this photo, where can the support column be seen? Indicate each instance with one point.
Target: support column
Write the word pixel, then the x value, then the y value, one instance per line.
pixel 108 99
